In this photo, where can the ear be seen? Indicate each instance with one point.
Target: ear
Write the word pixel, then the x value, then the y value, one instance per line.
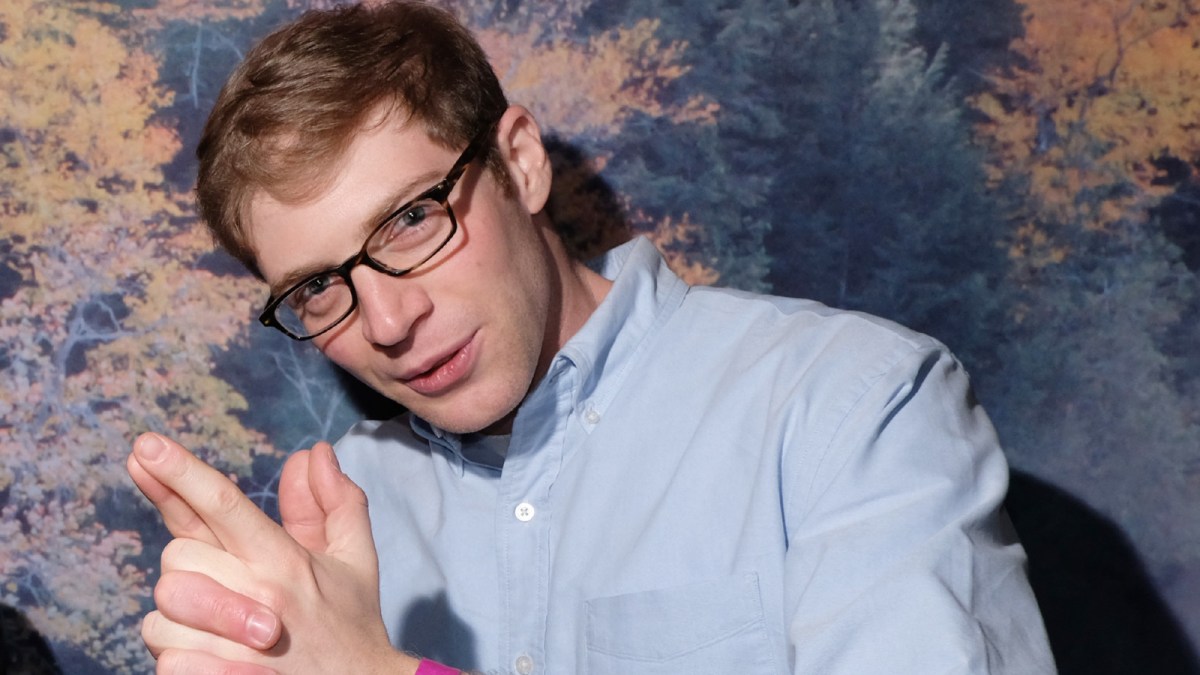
pixel 520 142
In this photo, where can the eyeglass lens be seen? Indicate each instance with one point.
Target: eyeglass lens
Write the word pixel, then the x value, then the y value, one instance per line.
pixel 405 241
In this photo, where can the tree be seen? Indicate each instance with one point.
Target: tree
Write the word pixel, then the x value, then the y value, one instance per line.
pixel 109 331
pixel 1081 133
pixel 1087 118
pixel 886 208
pixel 619 77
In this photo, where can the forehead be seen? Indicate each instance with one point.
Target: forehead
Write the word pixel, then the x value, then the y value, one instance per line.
pixel 387 161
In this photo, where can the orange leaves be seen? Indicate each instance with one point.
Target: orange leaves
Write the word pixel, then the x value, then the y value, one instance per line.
pixel 54 554
pixel 1106 88
pixel 60 68
pixel 1155 106
pixel 112 330
pixel 614 75
pixel 678 240
pixel 164 11
pixel 1034 247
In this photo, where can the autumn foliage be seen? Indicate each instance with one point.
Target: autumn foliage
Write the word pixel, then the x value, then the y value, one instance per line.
pixel 1090 132
pixel 110 331
pixel 1087 120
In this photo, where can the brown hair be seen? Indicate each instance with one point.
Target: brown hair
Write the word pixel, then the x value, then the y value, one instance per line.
pixel 292 107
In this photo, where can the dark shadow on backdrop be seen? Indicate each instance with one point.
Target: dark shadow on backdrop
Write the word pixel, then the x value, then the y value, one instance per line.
pixel 1102 611
pixel 23 651
pixel 583 207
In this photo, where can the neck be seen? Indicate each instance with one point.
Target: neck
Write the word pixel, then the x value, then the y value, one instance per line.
pixel 575 293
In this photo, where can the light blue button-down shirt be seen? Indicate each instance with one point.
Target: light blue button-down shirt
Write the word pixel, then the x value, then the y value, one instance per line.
pixel 708 481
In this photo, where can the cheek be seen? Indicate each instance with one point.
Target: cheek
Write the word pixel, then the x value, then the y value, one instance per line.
pixel 339 347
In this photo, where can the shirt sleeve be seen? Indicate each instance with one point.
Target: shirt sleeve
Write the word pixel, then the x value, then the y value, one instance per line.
pixel 900 559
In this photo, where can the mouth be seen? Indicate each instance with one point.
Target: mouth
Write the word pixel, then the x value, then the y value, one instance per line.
pixel 445 371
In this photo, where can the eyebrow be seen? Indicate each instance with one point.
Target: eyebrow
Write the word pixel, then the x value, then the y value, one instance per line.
pixel 386 207
pixel 402 195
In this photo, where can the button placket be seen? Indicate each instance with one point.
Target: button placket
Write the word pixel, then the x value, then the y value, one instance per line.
pixel 523 537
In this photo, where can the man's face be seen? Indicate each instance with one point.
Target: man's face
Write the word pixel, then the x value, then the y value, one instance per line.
pixel 457 341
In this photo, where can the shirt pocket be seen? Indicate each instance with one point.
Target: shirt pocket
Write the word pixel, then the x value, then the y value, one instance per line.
pixel 709 627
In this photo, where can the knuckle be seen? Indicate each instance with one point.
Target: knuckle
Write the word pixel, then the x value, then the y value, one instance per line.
pixel 168 663
pixel 169 592
pixel 151 627
pixel 181 662
pixel 293 564
pixel 230 610
pixel 175 553
pixel 227 500
pixel 184 662
pixel 359 495
pixel 193 527
pixel 273 597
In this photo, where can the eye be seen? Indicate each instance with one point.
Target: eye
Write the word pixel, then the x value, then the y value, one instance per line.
pixel 411 227
pixel 310 291
pixel 406 224
pixel 412 217
pixel 317 285
pixel 411 236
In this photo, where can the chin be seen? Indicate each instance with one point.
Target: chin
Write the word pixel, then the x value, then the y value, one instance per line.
pixel 469 414
pixel 463 424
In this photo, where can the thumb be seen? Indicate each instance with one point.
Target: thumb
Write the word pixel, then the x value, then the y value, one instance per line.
pixel 347 524
pixel 299 511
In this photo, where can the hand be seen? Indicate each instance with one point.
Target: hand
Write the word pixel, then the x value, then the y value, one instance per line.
pixel 238 593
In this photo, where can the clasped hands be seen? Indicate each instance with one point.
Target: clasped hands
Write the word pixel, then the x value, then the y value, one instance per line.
pixel 241 594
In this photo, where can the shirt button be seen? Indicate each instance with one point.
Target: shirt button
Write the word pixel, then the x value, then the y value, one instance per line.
pixel 524 664
pixel 591 416
pixel 524 512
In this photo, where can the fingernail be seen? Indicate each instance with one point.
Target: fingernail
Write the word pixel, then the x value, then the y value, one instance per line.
pixel 261 628
pixel 151 447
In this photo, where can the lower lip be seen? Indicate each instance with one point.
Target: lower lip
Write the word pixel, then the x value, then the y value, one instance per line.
pixel 448 374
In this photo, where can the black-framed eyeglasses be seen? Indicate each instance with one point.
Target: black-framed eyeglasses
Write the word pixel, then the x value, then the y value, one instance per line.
pixel 406 239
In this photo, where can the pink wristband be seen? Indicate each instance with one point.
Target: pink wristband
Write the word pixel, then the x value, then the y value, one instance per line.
pixel 427 667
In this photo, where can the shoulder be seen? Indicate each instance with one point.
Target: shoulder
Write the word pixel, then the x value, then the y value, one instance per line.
pixel 800 336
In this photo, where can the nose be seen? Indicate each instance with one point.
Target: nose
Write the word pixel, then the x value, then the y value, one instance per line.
pixel 388 307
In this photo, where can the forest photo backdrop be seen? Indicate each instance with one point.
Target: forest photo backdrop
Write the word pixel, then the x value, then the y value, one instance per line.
pixel 1018 179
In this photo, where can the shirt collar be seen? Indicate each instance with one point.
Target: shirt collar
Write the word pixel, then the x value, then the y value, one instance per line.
pixel 644 295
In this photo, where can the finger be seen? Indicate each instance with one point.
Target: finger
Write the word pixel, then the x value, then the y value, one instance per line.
pixel 238 525
pixel 181 520
pixel 224 568
pixel 164 636
pixel 183 662
pixel 347 523
pixel 298 508
pixel 199 602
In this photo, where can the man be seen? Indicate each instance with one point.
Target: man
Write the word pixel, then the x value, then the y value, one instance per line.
pixel 601 471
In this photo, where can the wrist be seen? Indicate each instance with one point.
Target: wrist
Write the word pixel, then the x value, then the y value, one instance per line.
pixel 393 663
pixel 427 667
